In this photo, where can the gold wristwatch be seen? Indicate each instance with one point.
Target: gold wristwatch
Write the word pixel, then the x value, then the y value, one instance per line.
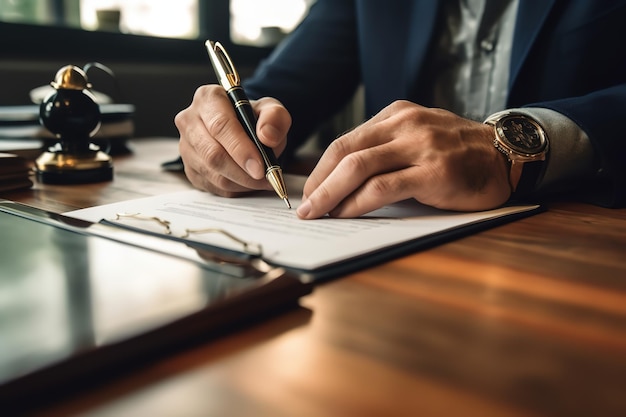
pixel 524 143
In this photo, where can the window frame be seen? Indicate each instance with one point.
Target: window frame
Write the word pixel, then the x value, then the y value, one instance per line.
pixel 48 42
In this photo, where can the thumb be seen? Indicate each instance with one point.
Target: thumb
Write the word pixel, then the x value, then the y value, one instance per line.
pixel 273 123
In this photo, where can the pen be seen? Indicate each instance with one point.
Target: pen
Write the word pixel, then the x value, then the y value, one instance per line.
pixel 229 79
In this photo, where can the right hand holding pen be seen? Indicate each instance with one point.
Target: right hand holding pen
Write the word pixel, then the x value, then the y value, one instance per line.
pixel 217 154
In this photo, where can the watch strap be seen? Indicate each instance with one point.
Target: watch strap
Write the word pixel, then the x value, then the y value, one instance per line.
pixel 531 172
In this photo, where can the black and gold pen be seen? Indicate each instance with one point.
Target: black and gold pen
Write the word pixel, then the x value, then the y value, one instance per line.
pixel 229 79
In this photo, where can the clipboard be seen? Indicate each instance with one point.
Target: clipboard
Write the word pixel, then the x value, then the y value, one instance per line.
pixel 335 269
pixel 315 250
pixel 75 304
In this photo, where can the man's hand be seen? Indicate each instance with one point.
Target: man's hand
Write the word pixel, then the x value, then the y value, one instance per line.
pixel 216 151
pixel 408 151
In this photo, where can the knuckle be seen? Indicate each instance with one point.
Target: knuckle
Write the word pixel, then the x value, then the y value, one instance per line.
pixel 181 118
pixel 338 147
pixel 400 105
pixel 274 109
pixel 354 163
pixel 377 187
pixel 217 125
pixel 322 194
pixel 413 114
pixel 335 146
pixel 212 155
pixel 205 93
pixel 405 108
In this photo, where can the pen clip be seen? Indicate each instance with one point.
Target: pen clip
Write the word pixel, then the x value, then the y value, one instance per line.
pixel 223 66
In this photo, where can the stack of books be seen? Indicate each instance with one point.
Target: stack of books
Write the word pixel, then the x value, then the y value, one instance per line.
pixel 14 172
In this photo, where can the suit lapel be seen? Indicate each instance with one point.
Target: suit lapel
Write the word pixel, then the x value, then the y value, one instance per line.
pixel 420 38
pixel 531 16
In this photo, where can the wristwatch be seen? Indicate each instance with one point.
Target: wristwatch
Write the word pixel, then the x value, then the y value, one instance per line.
pixel 524 143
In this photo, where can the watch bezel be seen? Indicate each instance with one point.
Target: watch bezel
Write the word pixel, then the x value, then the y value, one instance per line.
pixel 529 153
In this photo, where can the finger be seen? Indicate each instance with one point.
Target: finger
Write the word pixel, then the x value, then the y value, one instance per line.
pixel 350 174
pixel 366 136
pixel 222 124
pixel 273 123
pixel 212 176
pixel 379 191
pixel 225 187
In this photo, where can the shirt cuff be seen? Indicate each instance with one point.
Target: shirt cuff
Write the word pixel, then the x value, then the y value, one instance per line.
pixel 570 153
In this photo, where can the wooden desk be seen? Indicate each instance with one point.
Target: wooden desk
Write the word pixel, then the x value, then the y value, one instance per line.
pixel 524 319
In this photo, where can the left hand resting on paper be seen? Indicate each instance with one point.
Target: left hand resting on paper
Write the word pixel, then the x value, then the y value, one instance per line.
pixel 408 151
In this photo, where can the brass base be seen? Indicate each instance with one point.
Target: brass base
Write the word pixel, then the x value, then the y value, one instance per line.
pixel 63 168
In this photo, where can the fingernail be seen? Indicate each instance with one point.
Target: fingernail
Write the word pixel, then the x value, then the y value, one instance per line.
pixel 254 168
pixel 304 209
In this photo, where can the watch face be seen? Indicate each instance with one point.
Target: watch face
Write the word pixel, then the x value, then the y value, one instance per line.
pixel 522 134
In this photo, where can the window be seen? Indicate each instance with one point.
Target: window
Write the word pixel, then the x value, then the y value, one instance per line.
pixel 40 12
pixel 264 22
pixel 163 18
pixel 252 22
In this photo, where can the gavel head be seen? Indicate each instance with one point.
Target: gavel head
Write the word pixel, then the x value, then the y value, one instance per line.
pixel 70 112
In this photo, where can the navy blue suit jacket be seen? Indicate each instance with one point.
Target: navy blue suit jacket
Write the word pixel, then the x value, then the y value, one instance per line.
pixel 568 55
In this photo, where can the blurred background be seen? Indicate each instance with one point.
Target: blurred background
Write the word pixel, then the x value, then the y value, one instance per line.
pixel 155 48
pixel 249 19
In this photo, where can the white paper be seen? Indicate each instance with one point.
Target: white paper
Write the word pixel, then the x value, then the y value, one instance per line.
pixel 263 219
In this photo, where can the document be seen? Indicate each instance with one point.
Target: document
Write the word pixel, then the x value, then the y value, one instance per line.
pixel 260 223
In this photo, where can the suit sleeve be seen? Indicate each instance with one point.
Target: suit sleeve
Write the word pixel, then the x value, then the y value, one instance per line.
pixel 315 71
pixel 576 66
pixel 601 115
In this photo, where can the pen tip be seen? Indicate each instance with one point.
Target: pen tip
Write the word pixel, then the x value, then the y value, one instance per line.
pixel 286 200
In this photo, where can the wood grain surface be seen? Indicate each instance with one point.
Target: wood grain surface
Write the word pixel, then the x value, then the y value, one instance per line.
pixel 525 319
